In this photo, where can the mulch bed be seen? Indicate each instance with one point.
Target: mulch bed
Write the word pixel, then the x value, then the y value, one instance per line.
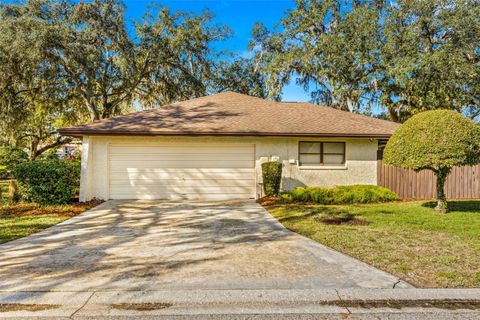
pixel 268 201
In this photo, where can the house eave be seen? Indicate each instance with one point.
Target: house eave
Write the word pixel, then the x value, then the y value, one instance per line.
pixel 80 133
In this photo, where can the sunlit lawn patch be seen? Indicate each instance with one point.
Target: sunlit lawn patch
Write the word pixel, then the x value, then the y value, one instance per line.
pixel 408 239
pixel 22 219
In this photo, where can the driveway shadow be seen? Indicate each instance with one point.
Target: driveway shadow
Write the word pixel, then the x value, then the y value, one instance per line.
pixel 155 245
pixel 130 243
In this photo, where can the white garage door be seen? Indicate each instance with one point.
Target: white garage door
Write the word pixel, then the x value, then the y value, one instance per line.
pixel 194 171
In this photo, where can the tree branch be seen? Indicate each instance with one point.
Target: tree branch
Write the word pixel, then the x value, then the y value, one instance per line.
pixel 58 142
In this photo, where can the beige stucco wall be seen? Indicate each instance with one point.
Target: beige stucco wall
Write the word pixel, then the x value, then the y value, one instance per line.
pixel 360 166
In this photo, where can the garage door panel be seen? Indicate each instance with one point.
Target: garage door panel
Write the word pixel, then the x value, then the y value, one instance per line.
pixel 178 173
pixel 181 172
pixel 188 149
pixel 182 183
pixel 176 197
pixel 180 163
pixel 187 170
pixel 134 176
pixel 184 157
pixel 181 190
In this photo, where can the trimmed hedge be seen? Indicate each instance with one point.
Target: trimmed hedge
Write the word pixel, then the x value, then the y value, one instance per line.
pixel 340 194
pixel 48 181
pixel 272 177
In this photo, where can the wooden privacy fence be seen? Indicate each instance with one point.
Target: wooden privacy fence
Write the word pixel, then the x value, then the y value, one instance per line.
pixel 462 182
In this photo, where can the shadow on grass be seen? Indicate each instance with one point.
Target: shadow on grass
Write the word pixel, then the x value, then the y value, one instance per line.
pixel 327 215
pixel 306 215
pixel 472 206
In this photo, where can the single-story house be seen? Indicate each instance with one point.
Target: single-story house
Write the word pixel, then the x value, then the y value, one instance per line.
pixel 213 147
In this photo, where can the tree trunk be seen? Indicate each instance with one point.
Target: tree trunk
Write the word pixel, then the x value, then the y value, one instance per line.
pixel 442 205
pixel 393 114
pixel 33 148
pixel 93 111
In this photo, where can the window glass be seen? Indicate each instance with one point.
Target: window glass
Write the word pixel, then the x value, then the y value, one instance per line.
pixel 309 147
pixel 333 147
pixel 333 158
pixel 309 159
pixel 321 153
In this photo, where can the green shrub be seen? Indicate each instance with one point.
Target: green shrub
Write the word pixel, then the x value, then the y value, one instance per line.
pixel 272 177
pixel 362 194
pixel 320 195
pixel 311 194
pixel 9 158
pixel 50 154
pixel 286 198
pixel 4 173
pixel 75 162
pixel 48 181
pixel 299 194
pixel 341 194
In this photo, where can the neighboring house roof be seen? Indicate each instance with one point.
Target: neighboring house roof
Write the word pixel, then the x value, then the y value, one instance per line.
pixel 236 114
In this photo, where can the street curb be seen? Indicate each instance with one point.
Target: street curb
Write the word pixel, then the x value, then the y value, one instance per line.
pixel 183 303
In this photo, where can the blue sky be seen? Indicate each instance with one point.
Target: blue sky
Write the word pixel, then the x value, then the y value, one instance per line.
pixel 239 15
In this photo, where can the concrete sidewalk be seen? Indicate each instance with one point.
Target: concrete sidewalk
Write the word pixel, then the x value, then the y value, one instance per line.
pixel 246 304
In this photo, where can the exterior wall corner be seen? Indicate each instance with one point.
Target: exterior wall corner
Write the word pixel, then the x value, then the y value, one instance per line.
pixel 85 177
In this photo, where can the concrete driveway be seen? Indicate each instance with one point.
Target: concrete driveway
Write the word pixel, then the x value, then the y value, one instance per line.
pixel 153 245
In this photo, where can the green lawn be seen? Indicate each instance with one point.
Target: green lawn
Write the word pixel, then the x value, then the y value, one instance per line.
pixel 408 239
pixel 15 226
pixel 21 219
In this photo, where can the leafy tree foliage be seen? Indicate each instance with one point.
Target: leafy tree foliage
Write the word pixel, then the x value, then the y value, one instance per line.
pixel 182 59
pixel 435 140
pixel 67 62
pixel 431 57
pixel 406 56
pixel 30 91
pixel 241 75
pixel 103 69
pixel 329 47
pixel 9 158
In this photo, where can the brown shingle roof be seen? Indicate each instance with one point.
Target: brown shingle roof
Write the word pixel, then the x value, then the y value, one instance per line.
pixel 231 113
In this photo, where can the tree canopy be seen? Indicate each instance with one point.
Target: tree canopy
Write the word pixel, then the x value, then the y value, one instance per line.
pixel 31 93
pixel 329 47
pixel 435 140
pixel 103 68
pixel 66 62
pixel 240 75
pixel 402 56
pixel 431 57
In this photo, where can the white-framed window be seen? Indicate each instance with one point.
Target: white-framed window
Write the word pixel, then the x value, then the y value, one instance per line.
pixel 319 153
